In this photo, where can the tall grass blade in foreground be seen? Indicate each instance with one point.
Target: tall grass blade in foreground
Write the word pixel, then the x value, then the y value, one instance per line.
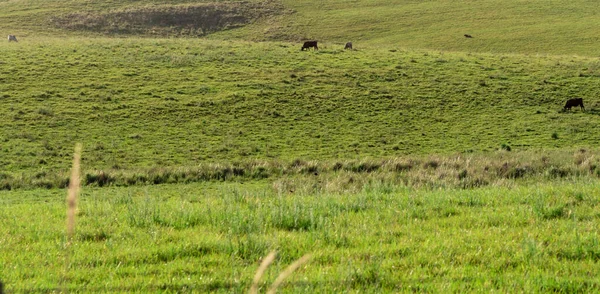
pixel 74 184
pixel 261 270
pixel 72 193
pixel 287 272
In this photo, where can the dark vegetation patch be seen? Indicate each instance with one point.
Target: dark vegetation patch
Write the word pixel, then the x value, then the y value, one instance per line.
pixel 169 20
pixel 94 237
pixel 459 171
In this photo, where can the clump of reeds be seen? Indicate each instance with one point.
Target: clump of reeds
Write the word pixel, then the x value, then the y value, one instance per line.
pixel 282 276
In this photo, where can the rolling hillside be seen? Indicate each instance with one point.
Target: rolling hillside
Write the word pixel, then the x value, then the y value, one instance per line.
pixel 530 27
pixel 138 98
pixel 421 161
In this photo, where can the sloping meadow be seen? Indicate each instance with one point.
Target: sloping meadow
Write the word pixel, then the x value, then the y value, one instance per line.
pixel 146 109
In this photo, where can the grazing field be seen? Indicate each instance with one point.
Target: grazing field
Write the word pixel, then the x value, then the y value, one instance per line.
pixel 421 161
pixel 154 103
pixel 564 27
pixel 211 237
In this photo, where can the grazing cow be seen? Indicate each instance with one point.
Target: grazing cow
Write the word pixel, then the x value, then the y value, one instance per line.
pixel 12 38
pixel 308 44
pixel 348 46
pixel 468 36
pixel 574 102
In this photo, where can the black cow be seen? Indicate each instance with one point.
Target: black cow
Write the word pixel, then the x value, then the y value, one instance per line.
pixel 309 44
pixel 574 102
pixel 348 46
pixel 468 36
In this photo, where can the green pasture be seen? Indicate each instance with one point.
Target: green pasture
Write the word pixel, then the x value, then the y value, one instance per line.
pixel 420 161
pixel 497 26
pixel 156 102
pixel 210 237
pixel 413 86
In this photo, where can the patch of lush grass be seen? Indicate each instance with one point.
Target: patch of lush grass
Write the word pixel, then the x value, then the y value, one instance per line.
pixel 142 103
pixel 210 237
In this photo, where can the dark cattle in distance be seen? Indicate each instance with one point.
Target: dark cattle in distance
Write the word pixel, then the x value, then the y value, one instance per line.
pixel 574 102
pixel 468 36
pixel 12 38
pixel 309 44
pixel 348 46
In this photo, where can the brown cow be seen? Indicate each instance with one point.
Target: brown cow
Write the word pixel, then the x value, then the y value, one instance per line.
pixel 348 46
pixel 574 102
pixel 309 44
pixel 468 36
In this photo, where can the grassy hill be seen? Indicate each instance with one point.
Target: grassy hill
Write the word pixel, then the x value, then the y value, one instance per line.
pixel 143 103
pixel 534 27
pixel 421 161
pixel 109 74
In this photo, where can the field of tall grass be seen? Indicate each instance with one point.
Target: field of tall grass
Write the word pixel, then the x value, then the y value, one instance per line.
pixel 384 238
pixel 420 161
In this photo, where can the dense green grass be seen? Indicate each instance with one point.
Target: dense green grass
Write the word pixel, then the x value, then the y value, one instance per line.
pixel 145 103
pixel 210 237
pixel 422 161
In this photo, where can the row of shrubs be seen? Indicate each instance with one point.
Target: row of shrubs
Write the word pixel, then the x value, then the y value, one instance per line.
pixel 463 171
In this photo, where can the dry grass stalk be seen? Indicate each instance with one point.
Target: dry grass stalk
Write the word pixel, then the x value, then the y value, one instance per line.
pixel 261 270
pixel 74 184
pixel 287 272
